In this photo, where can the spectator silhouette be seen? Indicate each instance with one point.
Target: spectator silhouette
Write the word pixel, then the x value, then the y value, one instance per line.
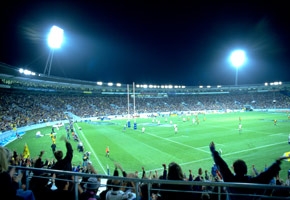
pixel 175 174
pixel 63 163
pixel 66 162
pixel 90 189
pixel 8 185
pixel 116 192
pixel 198 188
pixel 240 174
pixel 63 189
pixel 108 188
pixel 39 184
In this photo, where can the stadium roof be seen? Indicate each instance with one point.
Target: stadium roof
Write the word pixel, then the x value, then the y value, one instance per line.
pixel 40 82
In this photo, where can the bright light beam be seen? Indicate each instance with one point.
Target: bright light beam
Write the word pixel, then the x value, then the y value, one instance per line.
pixel 55 37
pixel 54 41
pixel 237 58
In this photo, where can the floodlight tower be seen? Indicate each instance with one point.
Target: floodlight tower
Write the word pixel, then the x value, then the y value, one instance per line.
pixel 54 41
pixel 237 58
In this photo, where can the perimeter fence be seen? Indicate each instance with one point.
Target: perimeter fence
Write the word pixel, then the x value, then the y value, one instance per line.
pixel 266 191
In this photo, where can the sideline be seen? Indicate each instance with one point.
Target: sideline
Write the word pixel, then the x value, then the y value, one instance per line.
pixel 103 181
pixel 92 150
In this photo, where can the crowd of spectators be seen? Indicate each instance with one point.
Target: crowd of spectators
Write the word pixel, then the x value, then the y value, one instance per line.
pixel 51 186
pixel 23 109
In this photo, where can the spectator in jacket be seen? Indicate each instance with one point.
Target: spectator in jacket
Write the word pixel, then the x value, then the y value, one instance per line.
pixel 64 163
pixel 240 174
pixel 175 174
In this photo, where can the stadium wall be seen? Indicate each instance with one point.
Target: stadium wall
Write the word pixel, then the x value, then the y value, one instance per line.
pixel 9 136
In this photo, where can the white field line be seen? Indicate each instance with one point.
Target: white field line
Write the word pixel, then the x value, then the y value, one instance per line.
pixel 228 154
pixel 279 134
pixel 252 131
pixel 210 158
pixel 236 129
pixel 260 147
pixel 172 141
pixel 191 162
pixel 92 150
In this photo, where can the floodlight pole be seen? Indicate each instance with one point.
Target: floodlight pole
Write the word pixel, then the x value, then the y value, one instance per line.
pixel 236 79
pixel 237 59
pixel 54 41
pixel 48 63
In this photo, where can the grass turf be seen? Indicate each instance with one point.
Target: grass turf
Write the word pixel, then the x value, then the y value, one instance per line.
pixel 260 142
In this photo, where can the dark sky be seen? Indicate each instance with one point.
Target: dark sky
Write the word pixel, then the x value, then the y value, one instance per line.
pixel 150 41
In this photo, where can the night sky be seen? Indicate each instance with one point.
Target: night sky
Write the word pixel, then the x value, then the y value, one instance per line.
pixel 153 42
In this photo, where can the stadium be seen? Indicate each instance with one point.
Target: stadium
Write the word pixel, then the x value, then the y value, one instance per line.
pixel 137 122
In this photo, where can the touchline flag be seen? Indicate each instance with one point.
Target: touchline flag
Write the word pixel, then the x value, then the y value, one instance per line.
pixel 287 154
pixel 26 152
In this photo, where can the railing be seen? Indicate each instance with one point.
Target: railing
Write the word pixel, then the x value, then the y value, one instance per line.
pixel 220 193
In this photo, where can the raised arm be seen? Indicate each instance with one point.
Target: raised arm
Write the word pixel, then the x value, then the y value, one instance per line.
pixel 222 165
pixel 118 166
pixel 69 149
pixel 266 176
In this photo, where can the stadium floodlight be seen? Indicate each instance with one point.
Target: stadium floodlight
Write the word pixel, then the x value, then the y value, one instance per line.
pixel 237 58
pixel 26 72
pixel 54 41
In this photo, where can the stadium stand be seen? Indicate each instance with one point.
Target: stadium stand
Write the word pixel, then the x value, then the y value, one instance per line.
pixel 27 101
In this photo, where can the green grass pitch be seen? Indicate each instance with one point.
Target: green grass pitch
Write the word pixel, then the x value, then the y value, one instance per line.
pixel 260 142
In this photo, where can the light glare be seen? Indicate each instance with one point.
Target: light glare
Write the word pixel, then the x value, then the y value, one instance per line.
pixel 238 58
pixel 55 37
